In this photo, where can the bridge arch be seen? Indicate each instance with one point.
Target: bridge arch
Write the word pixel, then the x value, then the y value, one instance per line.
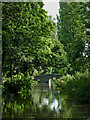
pixel 46 77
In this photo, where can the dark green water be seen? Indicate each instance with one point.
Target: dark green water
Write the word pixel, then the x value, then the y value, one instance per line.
pixel 45 103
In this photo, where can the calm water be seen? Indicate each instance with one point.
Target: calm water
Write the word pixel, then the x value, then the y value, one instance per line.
pixel 45 103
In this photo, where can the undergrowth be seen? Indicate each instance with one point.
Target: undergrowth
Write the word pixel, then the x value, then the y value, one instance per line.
pixel 77 86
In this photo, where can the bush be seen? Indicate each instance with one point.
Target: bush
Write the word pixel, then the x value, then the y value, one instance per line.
pixel 77 85
pixel 18 84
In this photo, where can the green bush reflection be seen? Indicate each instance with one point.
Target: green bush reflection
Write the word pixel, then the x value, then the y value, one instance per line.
pixel 44 103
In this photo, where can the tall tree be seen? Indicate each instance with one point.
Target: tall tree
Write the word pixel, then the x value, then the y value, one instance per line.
pixel 27 39
pixel 23 24
pixel 71 31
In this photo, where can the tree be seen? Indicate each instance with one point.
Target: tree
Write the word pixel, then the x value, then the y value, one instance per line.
pixel 27 39
pixel 23 24
pixel 71 32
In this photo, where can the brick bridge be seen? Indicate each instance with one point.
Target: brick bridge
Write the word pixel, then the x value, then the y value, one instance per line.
pixel 46 77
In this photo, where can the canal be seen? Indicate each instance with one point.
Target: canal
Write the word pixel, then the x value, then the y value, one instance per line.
pixel 44 104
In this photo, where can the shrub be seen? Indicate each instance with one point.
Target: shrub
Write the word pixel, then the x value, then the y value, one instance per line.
pixel 18 84
pixel 77 85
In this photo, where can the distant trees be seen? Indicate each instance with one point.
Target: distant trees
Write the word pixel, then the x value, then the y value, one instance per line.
pixel 87 25
pixel 72 32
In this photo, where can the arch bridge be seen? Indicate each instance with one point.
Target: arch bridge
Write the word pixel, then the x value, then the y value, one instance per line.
pixel 46 77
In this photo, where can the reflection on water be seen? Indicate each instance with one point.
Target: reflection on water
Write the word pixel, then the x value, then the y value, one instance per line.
pixel 44 103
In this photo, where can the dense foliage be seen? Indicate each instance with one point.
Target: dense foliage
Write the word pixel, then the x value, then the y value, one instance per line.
pixel 30 44
pixel 21 83
pixel 72 25
pixel 73 22
pixel 78 86
pixel 33 44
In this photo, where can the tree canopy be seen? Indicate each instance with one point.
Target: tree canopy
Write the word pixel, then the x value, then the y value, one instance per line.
pixel 72 32
pixel 28 42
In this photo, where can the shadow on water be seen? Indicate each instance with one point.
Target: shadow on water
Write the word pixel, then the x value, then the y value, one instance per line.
pixel 44 104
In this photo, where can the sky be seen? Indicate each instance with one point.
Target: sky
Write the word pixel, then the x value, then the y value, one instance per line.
pixel 51 7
